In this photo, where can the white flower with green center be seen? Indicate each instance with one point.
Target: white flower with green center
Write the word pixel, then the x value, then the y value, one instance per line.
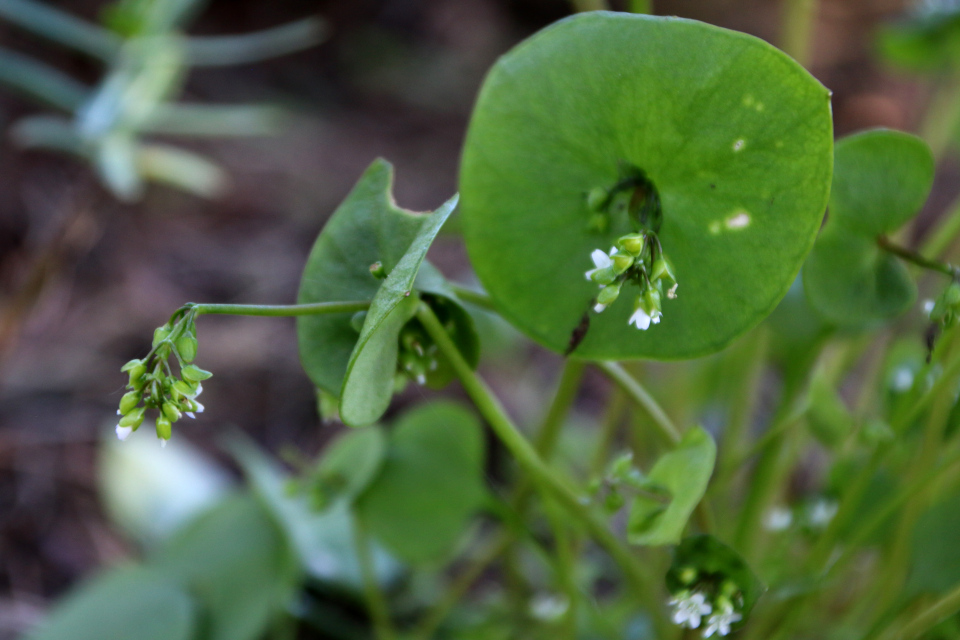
pixel 689 609
pixel 601 260
pixel 719 623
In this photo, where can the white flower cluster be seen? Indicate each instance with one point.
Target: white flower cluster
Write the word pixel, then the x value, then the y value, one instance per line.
pixel 691 607
pixel 638 258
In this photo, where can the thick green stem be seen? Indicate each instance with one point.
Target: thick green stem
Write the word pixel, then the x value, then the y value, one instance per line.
pixel 375 600
pixel 542 475
pixel 279 310
pixel 636 392
pixel 798 20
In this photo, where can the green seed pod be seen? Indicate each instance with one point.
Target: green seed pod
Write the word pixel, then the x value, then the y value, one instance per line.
pixel 171 412
pixel 622 261
pixel 193 373
pixel 129 401
pixel 187 346
pixel 609 294
pixel 130 365
pixel 133 419
pixel 377 270
pixel 163 428
pixel 632 243
pixel 604 276
pixel 136 376
pixel 160 334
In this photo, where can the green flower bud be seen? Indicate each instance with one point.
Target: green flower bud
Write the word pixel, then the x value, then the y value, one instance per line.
pixel 133 419
pixel 193 373
pixel 160 334
pixel 622 261
pixel 651 302
pixel 632 243
pixel 663 269
pixel 171 412
pixel 597 198
pixel 187 346
pixel 136 376
pixel 377 270
pixel 604 276
pixel 129 401
pixel 609 294
pixel 357 320
pixel 687 576
pixel 130 365
pixel 163 428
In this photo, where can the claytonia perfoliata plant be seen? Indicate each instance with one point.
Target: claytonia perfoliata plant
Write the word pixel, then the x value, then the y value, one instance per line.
pixel 711 601
pixel 153 384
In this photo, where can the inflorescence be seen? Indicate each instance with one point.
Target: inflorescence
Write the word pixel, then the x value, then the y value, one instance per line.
pixel 153 384
pixel 715 608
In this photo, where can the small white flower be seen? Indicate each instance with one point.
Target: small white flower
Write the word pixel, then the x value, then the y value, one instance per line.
pixel 778 519
pixel 902 379
pixel 719 623
pixel 928 307
pixel 822 513
pixel 641 319
pixel 123 432
pixel 600 261
pixel 599 307
pixel 163 443
pixel 198 391
pixel 548 607
pixel 690 608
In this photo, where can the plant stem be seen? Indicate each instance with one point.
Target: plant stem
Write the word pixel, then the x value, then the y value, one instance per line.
pixel 542 475
pixel 798 19
pixel 636 392
pixel 477 298
pixel 375 600
pixel 930 617
pixel 549 431
pixel 913 257
pixel 279 310
pixel 942 116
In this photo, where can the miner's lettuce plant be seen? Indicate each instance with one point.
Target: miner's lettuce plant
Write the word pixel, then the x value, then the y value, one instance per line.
pixel 632 187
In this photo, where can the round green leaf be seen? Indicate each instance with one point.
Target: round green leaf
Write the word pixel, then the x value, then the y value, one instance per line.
pixel 237 563
pixel 851 282
pixel 430 484
pixel 132 602
pixel 926 41
pixel 352 462
pixel 735 136
pixel 881 178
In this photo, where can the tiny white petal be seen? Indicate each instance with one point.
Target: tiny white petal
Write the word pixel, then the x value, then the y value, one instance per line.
pixel 123 432
pixel 600 259
pixel 421 379
pixel 199 408
pixel 163 443
pixel 928 306
pixel 118 412
pixel 199 390
pixel 190 414
pixel 641 319
pixel 599 307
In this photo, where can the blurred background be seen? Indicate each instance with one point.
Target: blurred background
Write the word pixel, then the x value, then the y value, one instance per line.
pixel 85 276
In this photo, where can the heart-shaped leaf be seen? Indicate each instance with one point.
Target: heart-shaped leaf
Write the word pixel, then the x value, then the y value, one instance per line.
pixel 369 380
pixel 881 178
pixel 734 135
pixel 684 472
pixel 430 484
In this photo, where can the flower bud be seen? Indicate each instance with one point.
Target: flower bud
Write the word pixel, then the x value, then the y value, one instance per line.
pixel 687 576
pixel 160 334
pixel 621 262
pixel 651 302
pixel 663 268
pixel 193 373
pixel 609 294
pixel 377 270
pixel 604 276
pixel 163 428
pixel 170 412
pixel 133 419
pixel 136 376
pixel 632 243
pixel 130 365
pixel 187 346
pixel 129 400
pixel 597 198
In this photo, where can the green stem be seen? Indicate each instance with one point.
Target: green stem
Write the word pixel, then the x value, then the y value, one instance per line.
pixel 61 27
pixel 913 257
pixel 930 617
pixel 477 298
pixel 943 113
pixel 279 310
pixel 636 392
pixel 947 227
pixel 542 475
pixel 798 20
pixel 549 431
pixel 375 599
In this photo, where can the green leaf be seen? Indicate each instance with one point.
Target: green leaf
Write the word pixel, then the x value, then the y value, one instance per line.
pixel 851 282
pixel 714 562
pixel 369 381
pixel 926 41
pixel 323 541
pixel 352 462
pixel 131 602
pixel 235 561
pixel 684 473
pixel 881 178
pixel 430 484
pixel 736 137
pixel 936 555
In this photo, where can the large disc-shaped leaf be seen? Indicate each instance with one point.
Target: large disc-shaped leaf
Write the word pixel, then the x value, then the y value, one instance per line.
pixel 237 563
pixel 122 604
pixel 735 136
pixel 367 228
pixel 881 178
pixel 684 473
pixel 369 379
pixel 850 281
pixel 430 484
